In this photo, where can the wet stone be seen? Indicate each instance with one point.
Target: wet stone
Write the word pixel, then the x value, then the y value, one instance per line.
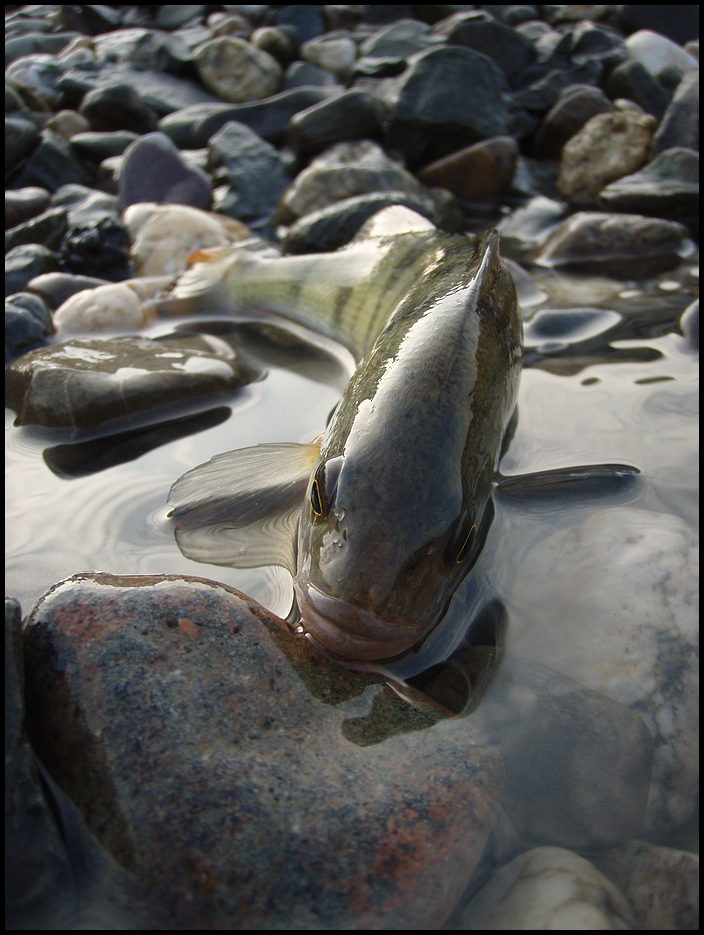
pixel 21 137
pixel 668 187
pixel 55 288
pixel 607 147
pixel 87 382
pixel 619 245
pixel 577 104
pixel 67 123
pixel 24 263
pixel 27 323
pixel 624 588
pixel 680 125
pixel 661 884
pixel 97 247
pixel 237 71
pixel 633 81
pixel 352 115
pixel 153 170
pixel 47 229
pixel 118 107
pixel 109 307
pixel 480 174
pixel 689 324
pixel 84 204
pixel 51 165
pixel 101 145
pixel 547 888
pixel 390 807
pixel 304 74
pixel 23 204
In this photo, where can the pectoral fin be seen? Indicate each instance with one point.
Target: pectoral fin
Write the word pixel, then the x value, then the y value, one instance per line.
pixel 241 508
pixel 599 479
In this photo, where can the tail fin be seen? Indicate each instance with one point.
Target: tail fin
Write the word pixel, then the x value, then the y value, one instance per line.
pixel 201 288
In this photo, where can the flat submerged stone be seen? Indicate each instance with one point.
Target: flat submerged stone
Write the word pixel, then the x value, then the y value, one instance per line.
pixel 243 778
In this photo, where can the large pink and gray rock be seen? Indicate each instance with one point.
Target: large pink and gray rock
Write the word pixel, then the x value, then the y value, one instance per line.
pixel 247 781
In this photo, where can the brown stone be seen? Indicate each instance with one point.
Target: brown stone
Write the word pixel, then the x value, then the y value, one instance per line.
pixel 481 173
pixel 578 104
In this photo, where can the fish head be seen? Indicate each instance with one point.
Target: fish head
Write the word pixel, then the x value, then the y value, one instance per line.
pixel 399 500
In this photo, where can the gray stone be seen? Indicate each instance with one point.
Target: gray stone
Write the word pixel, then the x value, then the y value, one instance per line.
pixel 305 19
pixel 153 170
pixel 530 225
pixel 37 78
pixel 668 187
pixel 633 81
pixel 172 17
pixel 237 71
pixel 352 115
pixel 84 204
pixel 23 204
pixel 55 288
pixel 51 165
pixel 544 93
pixel 118 107
pixel 576 105
pixel 190 711
pixel 32 42
pixel 336 54
pixel 27 323
pixel 67 123
pixel 304 74
pixel 276 42
pixel 680 125
pixel 87 382
pixel 508 49
pixel 146 48
pixel 94 147
pixel 21 137
pixel 24 263
pixel 590 41
pixel 47 229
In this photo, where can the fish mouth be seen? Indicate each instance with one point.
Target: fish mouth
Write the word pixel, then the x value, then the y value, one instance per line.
pixel 349 631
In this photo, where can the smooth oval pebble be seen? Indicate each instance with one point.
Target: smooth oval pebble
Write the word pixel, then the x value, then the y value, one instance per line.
pixel 153 170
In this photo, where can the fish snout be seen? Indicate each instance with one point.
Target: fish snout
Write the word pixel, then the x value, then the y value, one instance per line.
pixel 349 631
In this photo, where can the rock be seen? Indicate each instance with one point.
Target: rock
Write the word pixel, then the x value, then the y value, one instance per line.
pixel 23 204
pixel 153 170
pixel 173 17
pixel 480 174
pixel 305 19
pixel 351 115
pixel 680 125
pixel 278 43
pixel 110 307
pixel 24 263
pixel 596 42
pixel 335 55
pixel 118 107
pixel 607 147
pixel 656 52
pixel 544 92
pixel 303 74
pixel 87 383
pixel 398 40
pixel 237 71
pixel 623 592
pixel 508 49
pixel 145 48
pixel 591 787
pixel 68 123
pixel 95 147
pixel 97 247
pixel 678 22
pixel 334 226
pixel 21 138
pixel 547 888
pixel 252 168
pixel 368 835
pixel 47 229
pixel 633 81
pixel 37 78
pixel 51 165
pixel 689 323
pixel 576 105
pixel 661 884
pixel 361 152
pixel 33 42
pixel 693 48
pixel 55 288
pixel 193 127
pixel 27 323
pixel 668 187
pixel 164 236
pixel 530 225
pixel 84 204
pixel 620 245
pixel 431 112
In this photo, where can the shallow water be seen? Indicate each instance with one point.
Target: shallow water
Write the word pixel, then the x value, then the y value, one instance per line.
pixel 608 379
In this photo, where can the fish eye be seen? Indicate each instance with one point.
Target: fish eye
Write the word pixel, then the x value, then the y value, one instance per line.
pixel 322 491
pixel 462 539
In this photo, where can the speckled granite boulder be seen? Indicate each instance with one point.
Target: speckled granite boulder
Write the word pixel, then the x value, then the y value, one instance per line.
pixel 244 779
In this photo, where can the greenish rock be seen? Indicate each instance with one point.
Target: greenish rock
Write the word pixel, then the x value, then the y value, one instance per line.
pixel 246 780
pixel 87 383
pixel 47 229
pixel 24 263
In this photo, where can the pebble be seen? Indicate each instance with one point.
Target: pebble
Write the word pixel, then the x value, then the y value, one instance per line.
pixel 27 323
pixel 508 49
pixel 660 883
pixel 391 804
pixel 110 307
pixel 118 107
pixel 97 247
pixel 153 170
pixel 394 44
pixel 37 77
pixel 94 147
pixel 432 112
pixel 177 15
pixel 51 165
pixel 334 55
pixel 547 888
pixel 689 323
pixel 164 236
pixel 84 204
pixel 590 41
pixel 278 43
pixel 47 229
pixel 607 147
pixel 67 123
pixel 146 48
pixel 544 93
pixel 24 263
pixel 352 115
pixel 21 138
pixel 680 125
pixel 576 105
pixel 23 204
pixel 303 74
pixel 252 169
pixel 668 187
pixel 481 174
pixel 623 595
pixel 33 42
pixel 55 288
pixel 657 52
pixel 90 383
pixel 237 71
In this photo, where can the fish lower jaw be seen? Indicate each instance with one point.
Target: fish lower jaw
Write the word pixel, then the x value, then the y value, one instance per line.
pixel 349 632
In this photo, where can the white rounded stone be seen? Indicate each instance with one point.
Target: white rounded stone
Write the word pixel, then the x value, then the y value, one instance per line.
pixel 656 52
pixel 335 55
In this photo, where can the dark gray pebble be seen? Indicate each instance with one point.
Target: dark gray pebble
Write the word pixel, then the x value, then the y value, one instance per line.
pixel 24 203
pixel 84 204
pixel 544 93
pixel 594 41
pixel 172 17
pixel 51 165
pixel 95 147
pixel 21 137
pixel 24 263
pixel 27 323
pixel 31 43
pixel 576 105
pixel 153 170
pixel 305 75
pixel 507 48
pixel 680 125
pixel 633 81
pixel 306 19
pixel 98 248
pixel 353 115
pixel 47 229
pixel 118 107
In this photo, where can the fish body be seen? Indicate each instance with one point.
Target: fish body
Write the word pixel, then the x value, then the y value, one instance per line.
pixel 390 507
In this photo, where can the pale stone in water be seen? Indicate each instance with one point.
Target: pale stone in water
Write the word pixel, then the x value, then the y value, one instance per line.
pixel 656 52
pixel 164 236
pixel 619 612
pixel 237 71
pixel 548 888
pixel 607 147
pixel 117 306
pixel 335 55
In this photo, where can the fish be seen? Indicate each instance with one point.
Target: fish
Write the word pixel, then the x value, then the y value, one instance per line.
pixel 380 518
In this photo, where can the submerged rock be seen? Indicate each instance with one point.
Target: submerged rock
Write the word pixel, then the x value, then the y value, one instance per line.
pixel 530 225
pixel 245 780
pixel 668 187
pixel 620 245
pixel 623 597
pixel 87 382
